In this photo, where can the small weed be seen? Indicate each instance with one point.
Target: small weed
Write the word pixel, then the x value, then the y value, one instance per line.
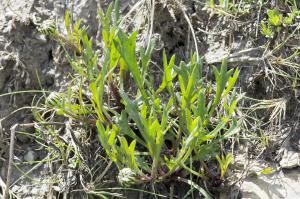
pixel 224 162
pixel 150 133
pixel 276 22
pixel 224 7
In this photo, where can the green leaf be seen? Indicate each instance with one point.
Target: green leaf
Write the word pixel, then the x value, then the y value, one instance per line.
pixel 114 57
pixel 124 145
pixel 169 74
pixel 146 58
pixel 266 31
pixel 166 112
pixel 96 100
pixel 221 80
pixel 155 139
pixel 183 76
pixel 106 23
pixel 194 185
pixel 231 82
pixel 224 163
pixel 132 111
pixel 187 94
pixel 212 3
pixel 275 18
pixel 126 47
pixel 201 110
pixel 217 129
pixel 105 141
pixel 267 171
pixel 67 24
pixel 234 129
pixel 129 154
pixel 126 130
pixel 288 20
pixel 112 136
pixel 116 12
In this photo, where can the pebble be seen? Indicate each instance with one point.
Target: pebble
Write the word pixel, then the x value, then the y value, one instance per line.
pixel 290 159
pixel 30 155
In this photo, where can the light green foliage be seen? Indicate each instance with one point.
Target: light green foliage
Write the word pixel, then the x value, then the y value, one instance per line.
pixel 288 20
pixel 194 116
pixel 276 21
pixel 275 18
pixel 266 30
pixel 267 171
pixel 229 8
pixel 190 129
pixel 224 162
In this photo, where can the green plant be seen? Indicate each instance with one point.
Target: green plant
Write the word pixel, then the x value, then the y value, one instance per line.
pixel 288 20
pixel 276 21
pixel 266 30
pixel 275 18
pixel 150 133
pixel 267 171
pixel 224 162
pixel 224 7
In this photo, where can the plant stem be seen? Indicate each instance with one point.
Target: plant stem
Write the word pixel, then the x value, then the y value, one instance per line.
pixel 10 160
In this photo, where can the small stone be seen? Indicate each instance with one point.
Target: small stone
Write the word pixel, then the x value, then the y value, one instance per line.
pixel 15 188
pixel 276 186
pixel 45 188
pixel 290 159
pixel 34 191
pixel 30 155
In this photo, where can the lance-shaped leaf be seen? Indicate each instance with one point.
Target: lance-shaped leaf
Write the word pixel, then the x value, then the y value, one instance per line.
pixel 169 74
pixel 126 47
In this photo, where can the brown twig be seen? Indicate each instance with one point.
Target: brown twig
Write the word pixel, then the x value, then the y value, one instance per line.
pixel 99 178
pixel 77 143
pixel 10 161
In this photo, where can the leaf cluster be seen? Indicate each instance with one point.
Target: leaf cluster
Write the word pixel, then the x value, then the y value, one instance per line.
pixel 156 132
pixel 276 21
